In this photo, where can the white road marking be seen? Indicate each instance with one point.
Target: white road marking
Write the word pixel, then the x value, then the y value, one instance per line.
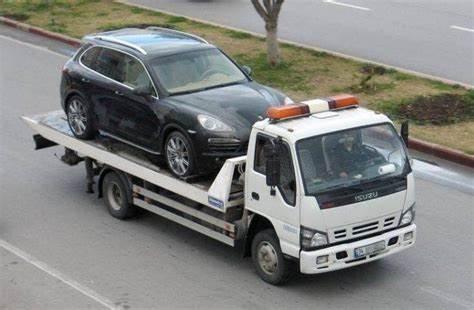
pixel 58 275
pixel 347 5
pixel 41 48
pixel 461 28
pixel 447 297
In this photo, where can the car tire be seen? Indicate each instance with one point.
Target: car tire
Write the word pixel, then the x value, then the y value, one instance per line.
pixel 268 258
pixel 80 118
pixel 179 155
pixel 116 195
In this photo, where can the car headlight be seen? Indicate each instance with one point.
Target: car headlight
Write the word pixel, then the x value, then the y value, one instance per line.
pixel 288 100
pixel 212 124
pixel 311 239
pixel 408 216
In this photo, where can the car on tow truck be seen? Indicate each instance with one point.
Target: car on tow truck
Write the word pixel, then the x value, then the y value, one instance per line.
pixel 169 93
pixel 294 202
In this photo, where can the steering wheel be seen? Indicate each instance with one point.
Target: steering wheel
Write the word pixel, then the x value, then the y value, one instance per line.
pixel 209 72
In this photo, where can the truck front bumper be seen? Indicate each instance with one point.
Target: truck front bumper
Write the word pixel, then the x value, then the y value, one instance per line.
pixel 337 259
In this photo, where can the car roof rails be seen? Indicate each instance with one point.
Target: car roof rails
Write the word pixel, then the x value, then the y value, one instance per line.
pixel 121 42
pixel 172 31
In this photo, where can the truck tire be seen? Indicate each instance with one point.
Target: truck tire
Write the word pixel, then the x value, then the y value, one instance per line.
pixel 268 259
pixel 116 196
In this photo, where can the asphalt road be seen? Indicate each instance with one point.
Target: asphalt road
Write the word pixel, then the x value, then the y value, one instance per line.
pixel 59 248
pixel 434 37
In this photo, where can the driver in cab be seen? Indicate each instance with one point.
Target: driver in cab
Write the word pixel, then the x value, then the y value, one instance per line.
pixel 348 153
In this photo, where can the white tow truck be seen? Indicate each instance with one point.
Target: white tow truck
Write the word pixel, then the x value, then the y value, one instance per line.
pixel 325 185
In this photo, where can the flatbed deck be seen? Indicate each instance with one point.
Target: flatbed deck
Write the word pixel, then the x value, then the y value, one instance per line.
pixel 202 215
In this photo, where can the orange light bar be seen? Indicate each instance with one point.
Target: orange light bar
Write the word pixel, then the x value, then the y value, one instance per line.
pixel 342 101
pixel 287 111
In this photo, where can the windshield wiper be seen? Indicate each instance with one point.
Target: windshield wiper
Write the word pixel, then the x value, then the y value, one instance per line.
pixel 206 88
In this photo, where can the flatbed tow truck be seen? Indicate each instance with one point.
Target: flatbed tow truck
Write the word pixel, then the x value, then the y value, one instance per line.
pixel 287 203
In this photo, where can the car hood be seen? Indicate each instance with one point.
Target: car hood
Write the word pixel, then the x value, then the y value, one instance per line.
pixel 237 105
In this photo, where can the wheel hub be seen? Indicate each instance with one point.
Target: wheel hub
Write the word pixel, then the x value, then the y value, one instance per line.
pixel 178 156
pixel 267 258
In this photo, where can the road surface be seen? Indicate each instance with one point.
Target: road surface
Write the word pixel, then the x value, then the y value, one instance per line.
pixel 434 37
pixel 59 248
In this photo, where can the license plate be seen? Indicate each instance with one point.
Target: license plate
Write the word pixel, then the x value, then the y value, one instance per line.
pixel 369 249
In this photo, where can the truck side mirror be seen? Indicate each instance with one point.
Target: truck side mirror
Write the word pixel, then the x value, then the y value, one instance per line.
pixel 404 132
pixel 271 152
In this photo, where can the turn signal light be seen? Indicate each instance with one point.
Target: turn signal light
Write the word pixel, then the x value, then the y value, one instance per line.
pixel 312 106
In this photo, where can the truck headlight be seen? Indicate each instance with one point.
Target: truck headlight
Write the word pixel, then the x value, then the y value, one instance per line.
pixel 212 124
pixel 408 216
pixel 311 239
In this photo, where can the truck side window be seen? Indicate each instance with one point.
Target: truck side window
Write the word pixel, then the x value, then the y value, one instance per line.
pixel 287 186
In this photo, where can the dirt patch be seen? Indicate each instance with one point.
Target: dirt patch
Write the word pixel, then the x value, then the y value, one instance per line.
pixel 438 110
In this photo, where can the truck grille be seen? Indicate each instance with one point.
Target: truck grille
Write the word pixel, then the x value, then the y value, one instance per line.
pixel 365 228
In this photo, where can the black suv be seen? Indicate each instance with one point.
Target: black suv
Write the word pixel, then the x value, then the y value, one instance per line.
pixel 166 92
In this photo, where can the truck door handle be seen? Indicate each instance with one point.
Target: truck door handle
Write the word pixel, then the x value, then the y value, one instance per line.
pixel 85 80
pixel 255 196
pixel 118 93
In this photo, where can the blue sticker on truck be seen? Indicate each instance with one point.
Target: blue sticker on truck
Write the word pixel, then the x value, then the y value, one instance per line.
pixel 215 202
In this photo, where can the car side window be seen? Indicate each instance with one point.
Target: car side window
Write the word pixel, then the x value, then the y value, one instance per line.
pixel 89 58
pixel 135 74
pixel 110 63
pixel 287 184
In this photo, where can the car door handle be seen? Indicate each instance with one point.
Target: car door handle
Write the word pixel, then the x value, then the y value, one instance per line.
pixel 118 93
pixel 85 80
pixel 255 196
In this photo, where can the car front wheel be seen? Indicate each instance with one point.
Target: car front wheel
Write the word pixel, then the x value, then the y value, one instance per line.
pixel 179 154
pixel 79 118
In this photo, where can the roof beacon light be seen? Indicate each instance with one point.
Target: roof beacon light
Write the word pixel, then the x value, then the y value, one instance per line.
pixel 312 106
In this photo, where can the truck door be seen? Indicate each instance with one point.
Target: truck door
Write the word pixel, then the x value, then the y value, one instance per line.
pixel 282 207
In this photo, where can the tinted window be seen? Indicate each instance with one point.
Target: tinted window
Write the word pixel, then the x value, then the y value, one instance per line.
pixel 135 74
pixel 89 57
pixel 287 184
pixel 110 64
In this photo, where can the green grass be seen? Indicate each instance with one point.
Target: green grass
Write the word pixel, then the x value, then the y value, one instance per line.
pixel 303 74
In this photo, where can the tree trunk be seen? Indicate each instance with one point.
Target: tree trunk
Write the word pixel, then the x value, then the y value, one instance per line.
pixel 273 52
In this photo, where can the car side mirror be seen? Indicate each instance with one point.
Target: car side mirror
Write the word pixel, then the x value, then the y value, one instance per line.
pixel 271 152
pixel 143 91
pixel 247 70
pixel 404 131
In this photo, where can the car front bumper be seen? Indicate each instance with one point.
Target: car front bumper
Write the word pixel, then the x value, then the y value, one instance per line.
pixel 308 258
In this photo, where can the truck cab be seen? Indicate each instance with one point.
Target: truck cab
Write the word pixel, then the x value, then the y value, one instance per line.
pixel 334 180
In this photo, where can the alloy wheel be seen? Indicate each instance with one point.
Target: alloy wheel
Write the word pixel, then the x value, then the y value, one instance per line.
pixel 77 116
pixel 177 155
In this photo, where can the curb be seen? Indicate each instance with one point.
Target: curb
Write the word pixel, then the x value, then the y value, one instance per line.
pixel 39 31
pixel 441 152
pixel 416 144
pixel 302 45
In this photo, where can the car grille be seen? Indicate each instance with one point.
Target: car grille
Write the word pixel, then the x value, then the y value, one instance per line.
pixel 364 228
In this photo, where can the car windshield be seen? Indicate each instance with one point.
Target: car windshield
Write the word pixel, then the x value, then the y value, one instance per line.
pixel 350 157
pixel 196 70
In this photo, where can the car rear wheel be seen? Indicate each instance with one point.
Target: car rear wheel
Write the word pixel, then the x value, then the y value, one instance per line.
pixel 179 154
pixel 79 118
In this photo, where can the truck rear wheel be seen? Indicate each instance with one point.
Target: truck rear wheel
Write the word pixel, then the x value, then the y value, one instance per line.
pixel 268 258
pixel 116 194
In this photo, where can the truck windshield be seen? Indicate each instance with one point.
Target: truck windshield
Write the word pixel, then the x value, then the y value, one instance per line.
pixel 351 157
pixel 195 71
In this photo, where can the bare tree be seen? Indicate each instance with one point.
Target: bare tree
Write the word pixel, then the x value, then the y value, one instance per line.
pixel 269 10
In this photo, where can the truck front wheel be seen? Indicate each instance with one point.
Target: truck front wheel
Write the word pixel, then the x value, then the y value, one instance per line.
pixel 268 259
pixel 116 194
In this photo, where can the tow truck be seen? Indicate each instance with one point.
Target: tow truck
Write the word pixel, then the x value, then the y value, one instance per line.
pixel 325 185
